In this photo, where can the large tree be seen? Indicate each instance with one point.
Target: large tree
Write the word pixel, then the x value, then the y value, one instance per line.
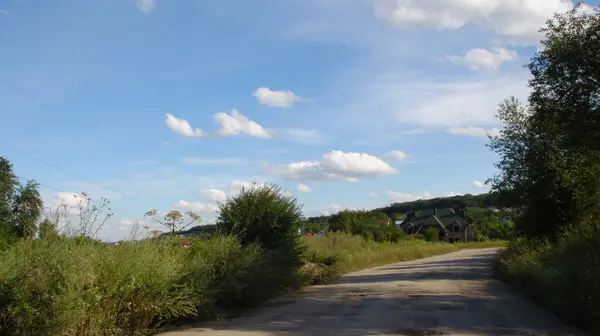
pixel 550 150
pixel 20 205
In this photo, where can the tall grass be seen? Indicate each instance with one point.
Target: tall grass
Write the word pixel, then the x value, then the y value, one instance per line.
pixel 329 257
pixel 563 276
pixel 62 286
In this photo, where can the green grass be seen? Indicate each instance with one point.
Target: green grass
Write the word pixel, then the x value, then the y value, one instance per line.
pixel 81 287
pixel 329 257
pixel 563 276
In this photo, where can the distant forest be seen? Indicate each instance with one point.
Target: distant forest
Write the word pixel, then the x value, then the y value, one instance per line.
pixel 396 209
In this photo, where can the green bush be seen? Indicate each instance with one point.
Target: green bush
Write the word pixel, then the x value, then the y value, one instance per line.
pixel 225 275
pixel 265 215
pixel 563 276
pixel 432 234
pixel 73 287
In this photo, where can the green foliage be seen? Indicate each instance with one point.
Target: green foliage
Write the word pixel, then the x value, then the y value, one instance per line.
pixel 371 225
pixel 564 276
pixel 550 164
pixel 262 214
pixel 266 216
pixel 76 286
pixel 489 226
pixel 225 275
pixel 20 205
pixel 47 229
pixel 550 151
pixel 397 211
pixel 432 234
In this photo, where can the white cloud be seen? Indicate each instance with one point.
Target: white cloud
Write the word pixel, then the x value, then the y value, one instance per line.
pixel 68 199
pixel 182 127
pixel 515 20
pixel 452 194
pixel 225 161
pixel 479 184
pixel 492 59
pixel 403 197
pixel 333 209
pixel 473 131
pixel 238 185
pixel 146 6
pixel 335 165
pixel 374 194
pixel 216 195
pixel 305 136
pixel 279 99
pixel 397 155
pixel 303 188
pixel 236 124
pixel 196 207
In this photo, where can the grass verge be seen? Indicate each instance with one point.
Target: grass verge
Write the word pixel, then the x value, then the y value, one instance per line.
pixel 563 276
pixel 66 286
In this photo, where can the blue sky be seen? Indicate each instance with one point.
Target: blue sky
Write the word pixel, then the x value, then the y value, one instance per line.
pixel 173 104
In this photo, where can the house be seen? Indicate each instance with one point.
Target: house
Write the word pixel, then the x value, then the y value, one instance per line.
pixel 454 225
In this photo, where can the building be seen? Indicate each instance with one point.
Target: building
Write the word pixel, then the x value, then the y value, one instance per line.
pixel 454 225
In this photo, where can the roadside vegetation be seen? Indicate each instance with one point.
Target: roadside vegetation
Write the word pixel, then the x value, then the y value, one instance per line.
pixel 550 168
pixel 56 278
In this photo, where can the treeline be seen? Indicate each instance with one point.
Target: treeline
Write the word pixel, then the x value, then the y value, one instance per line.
pixel 396 211
pixel 550 164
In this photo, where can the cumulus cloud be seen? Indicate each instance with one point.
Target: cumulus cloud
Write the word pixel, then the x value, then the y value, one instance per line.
pixel 333 209
pixel 236 123
pixel 196 207
pixel 404 197
pixel 452 194
pixel 336 165
pixel 214 195
pixel 479 184
pixel 517 20
pixel 473 131
pixel 278 99
pixel 182 127
pixel 146 6
pixel 397 155
pixel 303 188
pixel 492 59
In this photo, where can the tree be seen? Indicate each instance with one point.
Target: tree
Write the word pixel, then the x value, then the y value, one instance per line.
pixel 262 214
pixel 432 234
pixel 175 221
pixel 265 215
pixel 20 205
pixel 550 150
pixel 47 229
pixel 27 208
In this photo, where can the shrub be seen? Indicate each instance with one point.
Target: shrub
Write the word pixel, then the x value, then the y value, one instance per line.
pixel 77 286
pixel 564 276
pixel 224 275
pixel 431 234
pixel 266 216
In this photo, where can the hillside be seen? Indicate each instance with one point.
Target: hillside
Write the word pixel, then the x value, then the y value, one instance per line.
pixel 397 209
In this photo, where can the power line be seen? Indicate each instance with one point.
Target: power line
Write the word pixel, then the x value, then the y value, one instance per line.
pixel 63 169
pixel 42 184
pixel 23 92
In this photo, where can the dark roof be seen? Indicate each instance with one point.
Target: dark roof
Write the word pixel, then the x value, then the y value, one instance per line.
pixel 445 218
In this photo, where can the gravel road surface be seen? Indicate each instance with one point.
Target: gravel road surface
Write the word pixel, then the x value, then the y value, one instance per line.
pixel 446 295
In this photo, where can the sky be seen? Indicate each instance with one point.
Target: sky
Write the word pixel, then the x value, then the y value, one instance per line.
pixel 178 104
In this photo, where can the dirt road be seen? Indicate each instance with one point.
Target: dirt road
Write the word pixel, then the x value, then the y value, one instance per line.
pixel 450 295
